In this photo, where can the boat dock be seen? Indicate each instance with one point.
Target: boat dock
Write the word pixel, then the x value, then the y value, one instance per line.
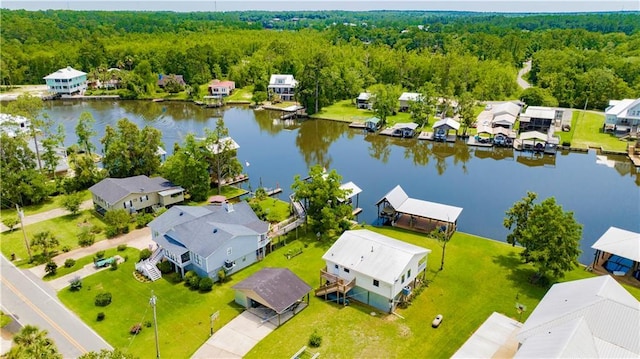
pixel 359 125
pixel 634 154
pixel 426 136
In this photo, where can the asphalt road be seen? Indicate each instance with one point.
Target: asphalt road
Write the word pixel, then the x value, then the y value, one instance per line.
pixel 523 71
pixel 31 301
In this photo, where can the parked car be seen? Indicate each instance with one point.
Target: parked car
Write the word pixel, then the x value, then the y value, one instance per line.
pixel 436 321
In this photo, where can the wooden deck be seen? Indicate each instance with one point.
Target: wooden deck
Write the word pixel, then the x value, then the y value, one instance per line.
pixel 626 279
pixel 426 136
pixel 419 224
pixel 360 125
pixel 473 142
pixel 634 156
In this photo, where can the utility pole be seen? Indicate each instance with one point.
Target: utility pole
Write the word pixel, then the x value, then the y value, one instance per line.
pixel 24 233
pixel 152 301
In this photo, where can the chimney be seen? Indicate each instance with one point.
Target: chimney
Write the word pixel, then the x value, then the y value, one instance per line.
pixel 227 207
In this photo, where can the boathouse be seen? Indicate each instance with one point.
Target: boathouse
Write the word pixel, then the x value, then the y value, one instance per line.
pixel 441 129
pixel 618 253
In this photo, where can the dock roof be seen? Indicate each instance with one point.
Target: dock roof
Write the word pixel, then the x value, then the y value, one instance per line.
pixel 447 122
pixel 620 242
pixel 401 202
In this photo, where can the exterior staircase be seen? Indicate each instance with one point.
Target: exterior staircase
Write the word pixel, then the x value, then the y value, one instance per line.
pixel 148 266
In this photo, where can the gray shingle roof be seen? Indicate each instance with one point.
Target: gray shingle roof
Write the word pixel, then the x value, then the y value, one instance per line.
pixel 205 229
pixel 276 288
pixel 114 189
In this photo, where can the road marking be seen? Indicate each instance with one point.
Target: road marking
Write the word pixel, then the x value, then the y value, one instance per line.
pixel 44 316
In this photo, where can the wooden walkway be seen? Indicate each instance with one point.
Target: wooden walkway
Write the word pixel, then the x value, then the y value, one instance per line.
pixel 634 156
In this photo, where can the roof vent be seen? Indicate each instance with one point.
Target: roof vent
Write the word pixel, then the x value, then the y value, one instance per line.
pixel 181 213
pixel 372 249
pixel 215 230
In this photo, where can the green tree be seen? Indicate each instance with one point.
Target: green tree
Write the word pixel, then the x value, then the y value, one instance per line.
pixel 550 236
pixel 172 85
pixel 118 219
pixel 326 209
pixel 30 107
pixel 259 97
pixel 51 268
pixel 32 342
pixel 10 222
pixel 129 151
pixel 466 104
pixel 84 132
pixel 385 100
pixel 222 154
pixel 189 167
pixel 536 96
pixel 45 241
pixel 72 202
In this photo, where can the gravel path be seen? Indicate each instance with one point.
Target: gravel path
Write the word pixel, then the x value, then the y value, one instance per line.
pixel 523 71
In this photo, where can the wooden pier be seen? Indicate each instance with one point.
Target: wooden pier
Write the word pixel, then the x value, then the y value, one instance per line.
pixel 634 154
pixel 359 125
pixel 274 191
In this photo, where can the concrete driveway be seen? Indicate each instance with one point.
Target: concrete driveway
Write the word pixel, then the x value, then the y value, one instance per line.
pixel 235 339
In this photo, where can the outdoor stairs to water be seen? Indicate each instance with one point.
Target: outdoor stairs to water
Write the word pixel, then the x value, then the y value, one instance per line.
pixel 324 290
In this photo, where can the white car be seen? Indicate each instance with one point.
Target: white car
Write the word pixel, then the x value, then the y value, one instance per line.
pixel 436 321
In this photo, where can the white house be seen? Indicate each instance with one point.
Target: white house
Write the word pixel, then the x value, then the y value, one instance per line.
pixel 623 115
pixel 67 81
pixel 13 125
pixel 363 101
pixel 588 318
pixel 372 268
pixel 406 98
pixel 282 85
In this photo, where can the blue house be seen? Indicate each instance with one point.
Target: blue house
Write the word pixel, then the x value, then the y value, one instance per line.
pixel 66 81
pixel 210 238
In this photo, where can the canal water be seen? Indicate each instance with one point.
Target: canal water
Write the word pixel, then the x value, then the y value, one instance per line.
pixel 602 191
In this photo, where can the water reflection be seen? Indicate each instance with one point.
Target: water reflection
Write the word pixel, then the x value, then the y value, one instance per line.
pixel 314 139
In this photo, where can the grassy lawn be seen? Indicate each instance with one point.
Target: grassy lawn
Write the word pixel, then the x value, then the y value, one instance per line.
pixel 567 137
pixel 243 94
pixel 346 111
pixel 65 229
pixel 4 319
pixel 588 133
pixel 129 253
pixel 275 210
pixel 480 276
pixel 47 205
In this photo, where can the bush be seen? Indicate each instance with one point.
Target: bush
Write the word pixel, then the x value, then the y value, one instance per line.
pixel 164 267
pixel 75 284
pixel 99 255
pixel 69 263
pixel 66 248
pixel 114 264
pixel 135 329
pixel 193 282
pixel 144 254
pixel 205 284
pixel 86 237
pixel 222 276
pixel 143 219
pixel 95 229
pixel 315 339
pixel 566 144
pixel 103 299
pixel 122 247
pixel 100 316
pixel 111 231
pixel 51 268
pixel 147 324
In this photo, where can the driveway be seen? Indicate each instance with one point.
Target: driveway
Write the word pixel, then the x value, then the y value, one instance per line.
pixel 523 71
pixel 235 339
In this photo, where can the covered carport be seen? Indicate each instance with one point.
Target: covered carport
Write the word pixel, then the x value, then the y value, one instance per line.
pixel 273 294
pixel 618 252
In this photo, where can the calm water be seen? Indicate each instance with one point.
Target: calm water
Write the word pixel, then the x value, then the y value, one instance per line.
pixel 601 191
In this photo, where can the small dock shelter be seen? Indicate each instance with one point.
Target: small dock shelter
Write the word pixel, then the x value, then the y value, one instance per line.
pixel 399 210
pixel 372 124
pixel 273 293
pixel 354 191
pixel 441 129
pixel 404 130
pixel 537 141
pixel 618 253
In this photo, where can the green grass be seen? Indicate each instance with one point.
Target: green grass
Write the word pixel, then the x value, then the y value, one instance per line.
pixel 588 133
pixel 131 253
pixel 274 209
pixel 49 204
pixel 480 276
pixel 64 228
pixel 243 94
pixel 567 137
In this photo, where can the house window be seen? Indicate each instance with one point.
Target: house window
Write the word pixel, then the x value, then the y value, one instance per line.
pixel 197 259
pixel 335 266
pixel 346 270
pixel 376 283
pixel 409 273
pixel 402 279
pixel 229 251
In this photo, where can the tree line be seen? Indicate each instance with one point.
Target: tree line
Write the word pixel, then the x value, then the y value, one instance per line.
pixel 456 54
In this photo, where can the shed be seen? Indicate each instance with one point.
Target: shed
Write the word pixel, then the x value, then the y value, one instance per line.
pixel 273 292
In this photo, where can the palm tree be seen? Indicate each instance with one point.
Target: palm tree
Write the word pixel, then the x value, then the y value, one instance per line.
pixel 46 241
pixel 32 342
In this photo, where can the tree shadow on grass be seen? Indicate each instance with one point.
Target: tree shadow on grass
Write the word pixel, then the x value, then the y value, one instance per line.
pixel 520 275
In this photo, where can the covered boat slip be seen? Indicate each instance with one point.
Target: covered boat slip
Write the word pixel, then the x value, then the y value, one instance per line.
pixel 618 253
pixel 415 214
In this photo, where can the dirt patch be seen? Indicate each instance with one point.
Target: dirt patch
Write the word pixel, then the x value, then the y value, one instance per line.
pixel 35 90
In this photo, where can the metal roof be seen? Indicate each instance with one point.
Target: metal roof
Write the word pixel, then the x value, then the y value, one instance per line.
pixel 228 144
pixel 373 254
pixel 534 134
pixel 495 336
pixel 65 73
pixel 620 242
pixel 504 119
pixel 538 112
pixel 364 96
pixel 410 125
pixel 355 190
pixel 279 80
pixel 620 108
pixel 447 122
pixel 401 202
pixel 276 288
pixel 611 313
pixel 409 96
pixel 510 108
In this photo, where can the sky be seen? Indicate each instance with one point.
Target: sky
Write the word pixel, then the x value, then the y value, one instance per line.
pixel 512 6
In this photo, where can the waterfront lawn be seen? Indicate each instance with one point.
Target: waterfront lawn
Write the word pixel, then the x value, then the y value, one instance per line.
pixel 346 111
pixel 128 254
pixel 243 94
pixel 480 276
pixel 49 204
pixel 65 229
pixel 275 210
pixel 567 137
pixel 588 133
